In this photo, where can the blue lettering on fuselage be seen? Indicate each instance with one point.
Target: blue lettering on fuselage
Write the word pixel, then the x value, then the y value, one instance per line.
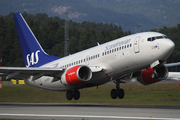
pixel 118 44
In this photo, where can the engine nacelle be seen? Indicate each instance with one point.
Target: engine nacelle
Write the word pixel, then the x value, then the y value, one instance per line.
pixel 76 75
pixel 152 75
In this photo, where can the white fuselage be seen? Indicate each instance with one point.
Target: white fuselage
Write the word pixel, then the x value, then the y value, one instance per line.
pixel 117 58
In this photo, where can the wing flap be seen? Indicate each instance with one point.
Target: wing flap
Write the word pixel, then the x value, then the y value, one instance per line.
pixel 23 72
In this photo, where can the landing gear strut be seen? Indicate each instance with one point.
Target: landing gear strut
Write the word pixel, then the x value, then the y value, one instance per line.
pixel 117 92
pixel 70 94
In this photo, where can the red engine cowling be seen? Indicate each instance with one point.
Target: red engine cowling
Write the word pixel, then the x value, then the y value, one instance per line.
pixel 76 75
pixel 152 75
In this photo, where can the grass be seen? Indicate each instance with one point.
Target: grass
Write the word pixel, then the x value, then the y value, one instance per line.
pixel 135 94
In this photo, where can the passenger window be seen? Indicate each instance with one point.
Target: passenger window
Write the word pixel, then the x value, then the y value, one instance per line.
pixel 115 50
pixel 125 47
pixel 122 47
pixel 110 51
pixel 103 54
pixel 128 46
pixel 107 52
pixel 119 48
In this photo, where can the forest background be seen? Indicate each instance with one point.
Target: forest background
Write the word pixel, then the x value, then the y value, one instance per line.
pixel 126 13
pixel 50 33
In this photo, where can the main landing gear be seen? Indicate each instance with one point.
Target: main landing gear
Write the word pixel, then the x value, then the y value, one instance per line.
pixel 117 92
pixel 70 94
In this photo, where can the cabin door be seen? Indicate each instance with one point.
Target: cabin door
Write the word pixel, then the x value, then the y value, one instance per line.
pixel 136 44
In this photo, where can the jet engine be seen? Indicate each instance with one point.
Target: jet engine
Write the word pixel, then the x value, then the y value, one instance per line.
pixel 76 75
pixel 152 75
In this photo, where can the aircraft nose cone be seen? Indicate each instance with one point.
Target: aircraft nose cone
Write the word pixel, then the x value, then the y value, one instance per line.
pixel 167 47
pixel 170 45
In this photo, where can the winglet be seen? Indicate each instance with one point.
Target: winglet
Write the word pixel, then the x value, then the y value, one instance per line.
pixel 33 54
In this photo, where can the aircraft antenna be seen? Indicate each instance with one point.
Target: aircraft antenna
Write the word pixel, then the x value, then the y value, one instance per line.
pixel 137 27
pixel 66 34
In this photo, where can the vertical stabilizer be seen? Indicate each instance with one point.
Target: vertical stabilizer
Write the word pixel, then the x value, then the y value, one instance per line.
pixel 33 54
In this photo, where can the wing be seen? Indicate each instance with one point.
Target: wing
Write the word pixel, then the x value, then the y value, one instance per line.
pixel 173 76
pixel 172 64
pixel 24 73
pixel 36 72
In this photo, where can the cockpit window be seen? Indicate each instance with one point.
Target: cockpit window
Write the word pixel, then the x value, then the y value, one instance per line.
pixel 149 39
pixel 153 38
pixel 159 37
pixel 165 37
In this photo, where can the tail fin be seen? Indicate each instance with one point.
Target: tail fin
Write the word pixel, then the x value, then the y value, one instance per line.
pixel 33 54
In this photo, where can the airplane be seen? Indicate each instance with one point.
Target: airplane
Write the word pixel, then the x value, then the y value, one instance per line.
pixel 143 55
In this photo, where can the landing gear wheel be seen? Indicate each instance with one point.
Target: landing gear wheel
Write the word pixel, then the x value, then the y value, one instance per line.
pixel 113 93
pixel 76 95
pixel 120 93
pixel 69 95
pixel 117 92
